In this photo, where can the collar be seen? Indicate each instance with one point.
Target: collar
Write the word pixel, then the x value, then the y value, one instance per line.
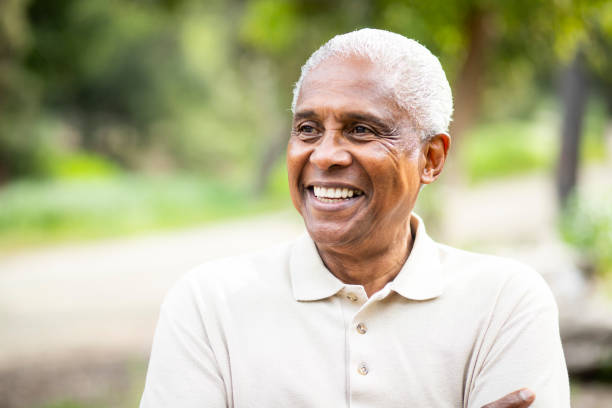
pixel 419 279
pixel 310 278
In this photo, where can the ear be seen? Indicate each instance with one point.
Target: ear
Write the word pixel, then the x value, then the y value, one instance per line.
pixel 434 151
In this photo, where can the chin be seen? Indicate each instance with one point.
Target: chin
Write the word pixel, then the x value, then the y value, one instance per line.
pixel 332 235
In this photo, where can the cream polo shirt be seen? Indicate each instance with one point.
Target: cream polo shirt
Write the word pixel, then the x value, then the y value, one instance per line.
pixel 277 329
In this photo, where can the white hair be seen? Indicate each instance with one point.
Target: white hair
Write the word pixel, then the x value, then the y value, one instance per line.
pixel 413 74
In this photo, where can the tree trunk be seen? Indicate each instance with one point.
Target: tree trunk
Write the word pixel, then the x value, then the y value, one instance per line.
pixel 469 82
pixel 574 98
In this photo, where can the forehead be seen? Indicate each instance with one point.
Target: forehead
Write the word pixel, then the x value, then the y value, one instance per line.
pixel 342 84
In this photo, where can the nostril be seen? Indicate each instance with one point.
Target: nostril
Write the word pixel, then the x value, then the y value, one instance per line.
pixel 326 159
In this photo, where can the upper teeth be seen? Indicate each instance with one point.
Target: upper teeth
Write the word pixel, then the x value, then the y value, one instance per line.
pixel 335 192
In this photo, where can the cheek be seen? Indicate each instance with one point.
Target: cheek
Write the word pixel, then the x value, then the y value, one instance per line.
pixel 394 169
pixel 297 157
pixel 385 162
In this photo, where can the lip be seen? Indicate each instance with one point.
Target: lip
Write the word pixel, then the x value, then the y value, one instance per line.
pixel 334 206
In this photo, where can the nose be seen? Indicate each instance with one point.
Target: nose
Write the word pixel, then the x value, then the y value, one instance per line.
pixel 330 151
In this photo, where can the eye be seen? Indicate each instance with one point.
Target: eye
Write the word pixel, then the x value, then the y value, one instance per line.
pixel 361 129
pixel 306 129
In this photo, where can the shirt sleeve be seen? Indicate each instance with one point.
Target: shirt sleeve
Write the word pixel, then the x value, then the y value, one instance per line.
pixel 182 368
pixel 522 347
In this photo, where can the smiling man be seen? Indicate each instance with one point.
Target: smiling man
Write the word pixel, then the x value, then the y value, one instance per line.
pixel 364 310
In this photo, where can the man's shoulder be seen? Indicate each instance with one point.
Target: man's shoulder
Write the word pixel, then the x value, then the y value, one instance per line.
pixel 268 258
pixel 479 263
pixel 491 275
pixel 251 273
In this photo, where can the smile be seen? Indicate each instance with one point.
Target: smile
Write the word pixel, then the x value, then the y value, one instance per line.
pixel 335 194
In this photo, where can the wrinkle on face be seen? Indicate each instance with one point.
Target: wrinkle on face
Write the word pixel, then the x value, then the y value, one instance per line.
pixel 334 97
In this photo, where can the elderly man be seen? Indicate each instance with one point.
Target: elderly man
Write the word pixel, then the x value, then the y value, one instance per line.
pixel 365 310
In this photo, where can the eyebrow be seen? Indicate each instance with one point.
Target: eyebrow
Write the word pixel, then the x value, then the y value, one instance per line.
pixel 304 115
pixel 356 116
pixel 366 117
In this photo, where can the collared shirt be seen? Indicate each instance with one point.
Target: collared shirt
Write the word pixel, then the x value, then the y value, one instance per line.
pixel 277 329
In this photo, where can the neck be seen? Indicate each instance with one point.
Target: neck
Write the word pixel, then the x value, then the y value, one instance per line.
pixel 367 265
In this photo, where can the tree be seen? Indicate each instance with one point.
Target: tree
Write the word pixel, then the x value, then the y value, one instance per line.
pixel 574 92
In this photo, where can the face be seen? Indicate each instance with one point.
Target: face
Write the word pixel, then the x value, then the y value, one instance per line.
pixel 355 166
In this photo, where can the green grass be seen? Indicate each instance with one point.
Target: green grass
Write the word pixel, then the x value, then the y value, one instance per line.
pixel 502 148
pixel 37 212
pixel 586 224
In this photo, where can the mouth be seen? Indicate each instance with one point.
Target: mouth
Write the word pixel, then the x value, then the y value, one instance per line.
pixel 334 194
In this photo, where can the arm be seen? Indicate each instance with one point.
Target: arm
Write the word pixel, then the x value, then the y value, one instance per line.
pixel 522 347
pixel 182 369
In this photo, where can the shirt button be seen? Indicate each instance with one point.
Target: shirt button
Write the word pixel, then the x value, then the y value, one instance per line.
pixel 362 369
pixel 361 328
pixel 352 297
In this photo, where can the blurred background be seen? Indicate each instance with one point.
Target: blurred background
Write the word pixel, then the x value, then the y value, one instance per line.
pixel 140 138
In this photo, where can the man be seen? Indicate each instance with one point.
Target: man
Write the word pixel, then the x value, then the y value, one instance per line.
pixel 365 309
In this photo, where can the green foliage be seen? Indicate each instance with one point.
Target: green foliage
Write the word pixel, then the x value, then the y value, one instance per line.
pixel 499 147
pixel 134 81
pixel 593 144
pixel 586 224
pixel 507 148
pixel 270 25
pixel 81 166
pixel 21 149
pixel 278 186
pixel 36 211
pixel 95 88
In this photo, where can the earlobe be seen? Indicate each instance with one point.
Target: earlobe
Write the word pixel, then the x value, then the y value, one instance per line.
pixel 427 175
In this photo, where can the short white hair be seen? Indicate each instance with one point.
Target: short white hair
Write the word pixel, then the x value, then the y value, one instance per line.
pixel 413 74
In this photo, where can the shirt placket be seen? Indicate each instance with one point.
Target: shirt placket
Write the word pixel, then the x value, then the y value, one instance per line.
pixel 360 355
pixel 354 301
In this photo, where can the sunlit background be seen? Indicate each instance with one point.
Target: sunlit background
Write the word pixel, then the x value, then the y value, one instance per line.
pixel 140 138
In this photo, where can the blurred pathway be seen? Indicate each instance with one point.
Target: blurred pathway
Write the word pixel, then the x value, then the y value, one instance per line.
pixel 104 297
pixel 512 211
